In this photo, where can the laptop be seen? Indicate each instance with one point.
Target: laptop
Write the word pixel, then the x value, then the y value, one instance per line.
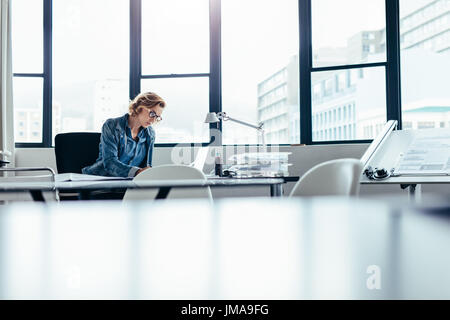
pixel 200 159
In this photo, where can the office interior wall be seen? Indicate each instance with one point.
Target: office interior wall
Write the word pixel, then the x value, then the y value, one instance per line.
pixel 302 158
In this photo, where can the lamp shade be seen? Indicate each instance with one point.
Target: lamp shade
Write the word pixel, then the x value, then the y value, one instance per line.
pixel 211 117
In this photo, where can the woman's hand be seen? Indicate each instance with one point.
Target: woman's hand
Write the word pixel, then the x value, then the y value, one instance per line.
pixel 142 169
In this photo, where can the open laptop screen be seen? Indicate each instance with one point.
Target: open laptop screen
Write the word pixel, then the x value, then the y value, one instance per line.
pixel 200 159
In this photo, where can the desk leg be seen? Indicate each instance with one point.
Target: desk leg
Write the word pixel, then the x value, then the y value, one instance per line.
pixel 37 195
pixel 84 195
pixel 163 192
pixel 276 190
pixel 415 193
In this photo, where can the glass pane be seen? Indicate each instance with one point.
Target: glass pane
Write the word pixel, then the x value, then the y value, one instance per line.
pixel 187 105
pixel 90 63
pixel 425 63
pixel 260 70
pixel 27 36
pixel 175 36
pixel 348 32
pixel 348 104
pixel 28 100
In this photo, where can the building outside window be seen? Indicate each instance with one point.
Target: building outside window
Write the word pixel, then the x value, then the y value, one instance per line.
pixel 425 58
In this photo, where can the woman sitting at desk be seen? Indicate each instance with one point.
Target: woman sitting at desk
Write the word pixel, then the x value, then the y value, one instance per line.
pixel 126 143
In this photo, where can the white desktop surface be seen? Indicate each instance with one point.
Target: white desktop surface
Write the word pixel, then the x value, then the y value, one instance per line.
pixel 409 180
pixel 232 249
pixel 99 184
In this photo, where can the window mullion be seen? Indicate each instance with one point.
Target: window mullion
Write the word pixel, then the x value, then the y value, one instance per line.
pixel 162 76
pixel 215 84
pixel 135 47
pixel 47 103
pixel 305 66
pixel 393 85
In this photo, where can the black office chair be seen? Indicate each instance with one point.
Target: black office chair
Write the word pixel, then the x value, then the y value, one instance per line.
pixel 76 150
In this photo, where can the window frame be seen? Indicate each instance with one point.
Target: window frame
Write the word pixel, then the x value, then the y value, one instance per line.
pixel 392 67
pixel 46 75
pixel 392 70
pixel 136 74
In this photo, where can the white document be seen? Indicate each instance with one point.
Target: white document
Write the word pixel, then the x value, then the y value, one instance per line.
pixel 426 155
pixel 84 177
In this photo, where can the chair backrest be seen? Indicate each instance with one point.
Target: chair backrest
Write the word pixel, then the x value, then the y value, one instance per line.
pixel 169 172
pixel 76 150
pixel 333 178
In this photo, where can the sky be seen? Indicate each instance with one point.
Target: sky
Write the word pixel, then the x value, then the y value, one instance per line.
pixel 336 21
pixel 258 39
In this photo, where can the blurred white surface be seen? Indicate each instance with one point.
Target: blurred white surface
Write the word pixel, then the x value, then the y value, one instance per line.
pixel 328 248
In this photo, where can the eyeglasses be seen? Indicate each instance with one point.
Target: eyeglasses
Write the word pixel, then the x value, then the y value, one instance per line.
pixel 152 114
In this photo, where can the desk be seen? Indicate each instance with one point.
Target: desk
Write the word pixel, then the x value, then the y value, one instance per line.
pixel 276 190
pixel 85 188
pixel 325 248
pixel 385 151
pixel 413 183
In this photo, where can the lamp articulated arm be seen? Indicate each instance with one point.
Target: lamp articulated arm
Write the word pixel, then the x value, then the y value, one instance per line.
pixel 213 118
pixel 223 116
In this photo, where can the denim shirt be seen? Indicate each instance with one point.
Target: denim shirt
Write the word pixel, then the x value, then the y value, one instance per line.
pixel 120 155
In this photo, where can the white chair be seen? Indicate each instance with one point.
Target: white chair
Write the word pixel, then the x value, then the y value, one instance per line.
pixel 169 172
pixel 27 175
pixel 332 178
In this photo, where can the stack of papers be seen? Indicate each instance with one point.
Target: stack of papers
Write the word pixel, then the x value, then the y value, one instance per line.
pixel 61 177
pixel 425 156
pixel 261 164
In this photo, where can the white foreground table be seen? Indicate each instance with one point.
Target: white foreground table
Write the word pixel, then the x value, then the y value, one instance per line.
pixel 233 249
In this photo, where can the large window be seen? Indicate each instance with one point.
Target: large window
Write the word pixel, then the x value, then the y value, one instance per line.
pixel 90 63
pixel 354 98
pixel 260 70
pixel 187 104
pixel 28 68
pixel 355 103
pixel 425 52
pixel 348 32
pixel 312 71
pixel 175 64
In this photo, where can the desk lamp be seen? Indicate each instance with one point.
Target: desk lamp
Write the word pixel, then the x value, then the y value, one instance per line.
pixel 213 117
